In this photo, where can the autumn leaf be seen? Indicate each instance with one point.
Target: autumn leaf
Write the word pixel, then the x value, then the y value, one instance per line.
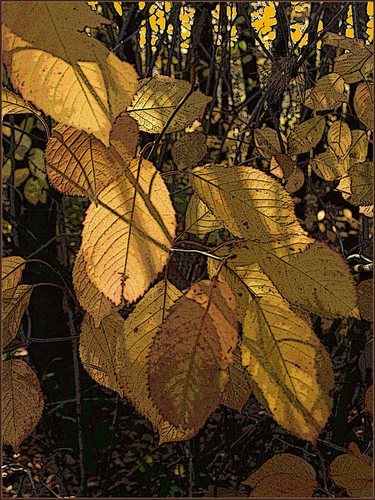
pixel 15 303
pixel 361 182
pixel 339 138
pixel 88 295
pixel 369 400
pixel 97 346
pixel 327 166
pixel 283 167
pixel 327 93
pixel 64 67
pixel 250 203
pixel 22 402
pixel 191 353
pixel 189 150
pixel 364 104
pixel 284 475
pixel 365 296
pixel 11 272
pixel 127 237
pixel 306 135
pixel 267 141
pixel 356 64
pixel 13 104
pixel 162 100
pixel 354 473
pixel 132 356
pixel 199 219
pixel 238 388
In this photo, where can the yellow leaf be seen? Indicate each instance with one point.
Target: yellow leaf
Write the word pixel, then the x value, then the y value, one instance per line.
pixel 13 104
pixel 199 219
pixel 190 355
pixel 127 237
pixel 367 211
pixel 89 297
pixel 6 171
pixel 22 402
pixel 284 475
pixel 97 348
pixel 132 356
pixel 238 389
pixel 20 175
pixel 327 166
pixel 339 138
pixel 365 298
pixel 11 272
pixel 15 302
pixel 327 93
pixel 267 141
pixel 354 65
pixel 361 181
pixel 306 135
pixel 364 104
pixel 67 74
pixel 250 203
pixel 354 474
pixel 289 366
pixel 189 150
pixel 159 97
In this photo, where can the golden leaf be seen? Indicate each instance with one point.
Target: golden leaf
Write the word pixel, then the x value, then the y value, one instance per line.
pixel 359 147
pixel 369 400
pixel 367 211
pixel 327 93
pixel 15 302
pixel 356 64
pixel 339 138
pixel 284 168
pixel 365 296
pixel 267 141
pixel 284 475
pixel 354 474
pixel 289 366
pixel 97 346
pixel 160 97
pixel 11 272
pixel 127 237
pixel 88 295
pixel 361 181
pixel 189 150
pixel 190 355
pixel 327 166
pixel 364 104
pixel 13 104
pixel 132 356
pixel 199 219
pixel 238 389
pixel 250 203
pixel 306 135
pixel 342 42
pixel 63 67
pixel 22 402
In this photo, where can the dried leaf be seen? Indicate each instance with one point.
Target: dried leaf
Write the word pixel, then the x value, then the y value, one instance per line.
pixel 22 402
pixel 126 238
pixel 327 166
pixel 191 353
pixel 365 299
pixel 189 150
pixel 306 135
pixel 238 389
pixel 339 138
pixel 289 366
pixel 327 93
pixel 63 67
pixel 250 203
pixel 159 97
pixel 97 349
pixel 354 474
pixel 13 104
pixel 364 104
pixel 88 295
pixel 15 302
pixel 361 181
pixel 11 272
pixel 199 219
pixel 132 356
pixel 284 475
pixel 267 141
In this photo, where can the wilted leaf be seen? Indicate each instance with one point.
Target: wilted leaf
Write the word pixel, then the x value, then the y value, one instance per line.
pixel 159 97
pixel 88 295
pixel 238 389
pixel 189 150
pixel 22 402
pixel 365 299
pixel 267 141
pixel 354 474
pixel 306 135
pixel 64 67
pixel 327 166
pixel 13 104
pixel 327 93
pixel 97 346
pixel 190 355
pixel 126 238
pixel 11 272
pixel 339 138
pixel 15 303
pixel 132 356
pixel 247 201
pixel 199 219
pixel 361 181
pixel 284 475
pixel 364 104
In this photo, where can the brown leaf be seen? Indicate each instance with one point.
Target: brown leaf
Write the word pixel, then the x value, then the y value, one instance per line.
pixel 364 104
pixel 189 150
pixel 361 181
pixel 354 474
pixel 11 272
pixel 22 402
pixel 306 135
pixel 238 389
pixel 365 297
pixel 15 303
pixel 267 141
pixel 13 104
pixel 339 138
pixel 327 93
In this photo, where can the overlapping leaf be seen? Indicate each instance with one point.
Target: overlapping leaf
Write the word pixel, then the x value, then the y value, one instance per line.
pixel 339 138
pixel 237 389
pixel 11 272
pixel 13 104
pixel 15 303
pixel 306 135
pixel 364 104
pixel 199 219
pixel 22 402
pixel 327 93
